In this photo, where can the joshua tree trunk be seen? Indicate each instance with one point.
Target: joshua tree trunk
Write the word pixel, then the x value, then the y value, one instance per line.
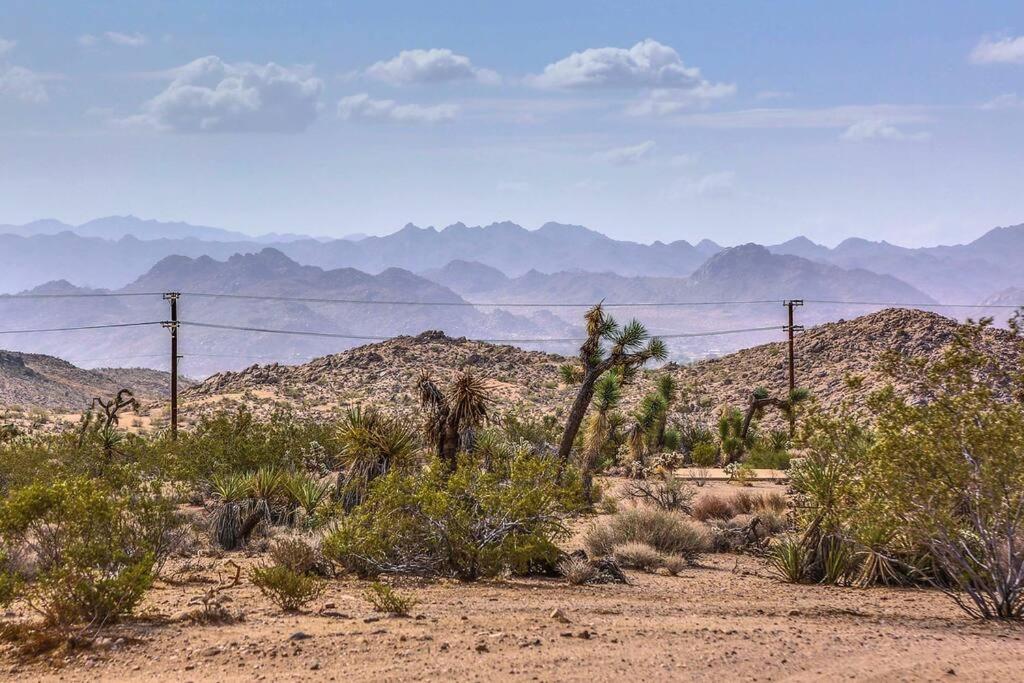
pixel 578 412
pixel 448 448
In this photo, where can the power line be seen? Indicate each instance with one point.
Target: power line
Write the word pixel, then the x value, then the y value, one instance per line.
pixel 898 304
pixel 80 327
pixel 481 304
pixel 89 295
pixel 336 335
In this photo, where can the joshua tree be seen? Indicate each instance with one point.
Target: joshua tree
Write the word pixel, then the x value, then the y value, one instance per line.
pixel 631 347
pixel 667 392
pixel 643 435
pixel 452 419
pixel 607 392
pixel 759 400
pixel 104 426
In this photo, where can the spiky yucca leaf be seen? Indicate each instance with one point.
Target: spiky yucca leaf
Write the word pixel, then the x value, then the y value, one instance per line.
pixel 230 488
pixel 307 492
pixel 265 483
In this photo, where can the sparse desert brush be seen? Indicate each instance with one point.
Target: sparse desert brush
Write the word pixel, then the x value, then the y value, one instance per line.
pixel 667 532
pixel 675 564
pixel 288 589
pixel 386 599
pixel 295 554
pixel 577 570
pixel 95 550
pixel 709 506
pixel 637 555
pixel 773 521
pixel 667 493
pixel 789 559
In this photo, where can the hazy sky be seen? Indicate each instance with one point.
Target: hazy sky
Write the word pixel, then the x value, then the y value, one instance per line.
pixel 647 120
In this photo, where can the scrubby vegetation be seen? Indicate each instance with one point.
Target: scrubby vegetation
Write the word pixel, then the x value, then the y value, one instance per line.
pixel 920 492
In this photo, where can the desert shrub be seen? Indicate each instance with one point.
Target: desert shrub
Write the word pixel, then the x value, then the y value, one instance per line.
pixel 935 490
pixel 266 483
pixel 288 589
pixel 95 549
pixel 710 506
pixel 675 564
pixel 386 599
pixel 739 473
pixel 691 435
pixel 767 458
pixel 667 532
pixel 637 555
pixel 294 554
pixel 704 456
pixel 467 524
pixel 577 570
pixel 667 493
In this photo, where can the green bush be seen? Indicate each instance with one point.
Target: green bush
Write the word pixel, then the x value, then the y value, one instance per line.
pixel 95 549
pixel 386 599
pixel 287 588
pixel 468 524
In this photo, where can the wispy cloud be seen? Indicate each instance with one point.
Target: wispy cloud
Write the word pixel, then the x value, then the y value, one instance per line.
pixel 830 117
pixel 6 45
pixel 879 129
pixel 625 156
pixel 1008 100
pixel 989 50
pixel 364 109
pixel 712 184
pixel 114 38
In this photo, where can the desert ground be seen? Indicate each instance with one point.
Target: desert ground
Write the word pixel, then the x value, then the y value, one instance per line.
pixel 727 618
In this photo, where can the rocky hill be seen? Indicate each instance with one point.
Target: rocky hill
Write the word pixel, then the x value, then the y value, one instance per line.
pixel 34 380
pixel 383 374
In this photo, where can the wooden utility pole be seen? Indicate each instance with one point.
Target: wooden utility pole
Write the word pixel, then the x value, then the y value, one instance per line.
pixel 172 325
pixel 790 304
pixel 792 329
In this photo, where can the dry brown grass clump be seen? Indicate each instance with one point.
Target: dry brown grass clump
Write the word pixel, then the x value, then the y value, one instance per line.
pixel 577 570
pixel 710 506
pixel 636 555
pixel 747 502
pixel 669 533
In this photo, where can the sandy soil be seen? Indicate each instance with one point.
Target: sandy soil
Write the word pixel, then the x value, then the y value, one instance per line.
pixel 726 619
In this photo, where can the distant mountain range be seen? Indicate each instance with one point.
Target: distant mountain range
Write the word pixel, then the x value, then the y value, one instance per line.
pixel 745 273
pixel 267 273
pixel 112 252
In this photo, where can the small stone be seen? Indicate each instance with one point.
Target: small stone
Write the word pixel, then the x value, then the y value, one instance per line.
pixel 481 647
pixel 314 666
pixel 211 651
pixel 299 635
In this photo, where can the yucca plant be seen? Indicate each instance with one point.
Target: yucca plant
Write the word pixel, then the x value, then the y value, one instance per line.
pixel 372 444
pixel 265 484
pixel 788 557
pixel 230 488
pixel 307 492
pixel 453 416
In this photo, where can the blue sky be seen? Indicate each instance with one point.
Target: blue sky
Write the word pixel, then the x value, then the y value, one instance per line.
pixel 647 120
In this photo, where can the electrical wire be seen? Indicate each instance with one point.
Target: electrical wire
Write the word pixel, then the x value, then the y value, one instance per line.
pixel 89 295
pixel 540 340
pixel 81 327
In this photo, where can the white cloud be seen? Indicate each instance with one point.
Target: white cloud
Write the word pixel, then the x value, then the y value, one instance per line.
pixel 880 129
pixel 429 66
pixel 6 45
pixel 625 156
pixel 1008 100
pixel 712 184
pixel 1008 50
pixel 831 117
pixel 209 95
pixel 23 84
pixel 648 64
pixel 126 39
pixel 363 108
pixel 663 101
pixel 87 40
